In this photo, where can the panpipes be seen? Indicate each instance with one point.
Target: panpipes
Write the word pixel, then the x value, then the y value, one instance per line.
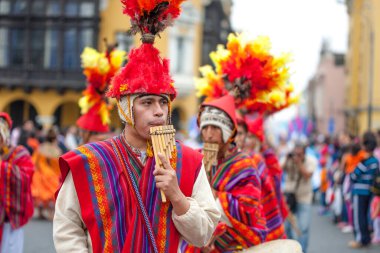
pixel 163 141
pixel 210 153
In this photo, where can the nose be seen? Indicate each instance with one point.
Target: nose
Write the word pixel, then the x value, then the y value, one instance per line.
pixel 158 110
pixel 208 133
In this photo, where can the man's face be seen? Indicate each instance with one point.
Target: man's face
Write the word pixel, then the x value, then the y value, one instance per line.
pixel 212 134
pixel 251 141
pixel 299 153
pixel 240 137
pixel 149 111
pixel 29 126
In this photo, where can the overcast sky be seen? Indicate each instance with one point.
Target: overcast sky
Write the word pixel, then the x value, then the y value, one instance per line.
pixel 296 26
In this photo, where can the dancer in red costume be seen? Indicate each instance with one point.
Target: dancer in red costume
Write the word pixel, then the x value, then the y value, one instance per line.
pixel 110 200
pixel 16 206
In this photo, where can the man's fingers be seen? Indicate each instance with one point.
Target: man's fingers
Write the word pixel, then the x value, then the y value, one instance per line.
pixel 160 178
pixel 158 170
pixel 164 160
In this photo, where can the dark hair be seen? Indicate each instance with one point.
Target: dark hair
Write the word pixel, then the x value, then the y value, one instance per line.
pixel 51 135
pixel 355 148
pixel 369 141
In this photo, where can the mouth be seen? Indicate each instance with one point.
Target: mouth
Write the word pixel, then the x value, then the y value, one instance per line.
pixel 156 123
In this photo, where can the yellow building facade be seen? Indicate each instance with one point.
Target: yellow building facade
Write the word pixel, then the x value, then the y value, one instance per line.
pixel 181 43
pixel 363 65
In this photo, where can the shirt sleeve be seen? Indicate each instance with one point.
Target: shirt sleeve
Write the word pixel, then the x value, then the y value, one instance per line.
pixel 223 217
pixel 198 224
pixel 69 231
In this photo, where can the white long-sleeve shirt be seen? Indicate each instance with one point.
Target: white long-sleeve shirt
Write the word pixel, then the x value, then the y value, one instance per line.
pixel 195 226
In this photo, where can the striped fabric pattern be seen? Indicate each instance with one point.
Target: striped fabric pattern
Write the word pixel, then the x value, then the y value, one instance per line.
pixel 275 173
pixel 238 188
pixel 16 171
pixel 114 208
pixel 271 208
pixel 363 176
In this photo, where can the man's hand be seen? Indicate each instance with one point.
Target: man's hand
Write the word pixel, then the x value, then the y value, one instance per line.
pixel 166 180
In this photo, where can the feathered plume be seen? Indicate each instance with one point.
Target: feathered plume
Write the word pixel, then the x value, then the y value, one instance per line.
pixel 151 16
pixel 146 71
pixel 258 79
pixel 99 68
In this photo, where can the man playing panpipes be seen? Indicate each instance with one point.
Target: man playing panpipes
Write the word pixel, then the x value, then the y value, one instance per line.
pixel 110 200
pixel 234 180
pixel 16 205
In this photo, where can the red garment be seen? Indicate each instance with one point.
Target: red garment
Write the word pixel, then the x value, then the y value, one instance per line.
pixel 16 171
pixel 237 184
pixel 101 174
pixel 269 201
pixel 275 173
pixel 256 127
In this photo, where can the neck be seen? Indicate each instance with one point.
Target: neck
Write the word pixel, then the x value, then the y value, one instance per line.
pixel 134 139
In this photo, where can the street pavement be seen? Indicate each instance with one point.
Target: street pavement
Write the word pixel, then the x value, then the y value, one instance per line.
pixel 324 237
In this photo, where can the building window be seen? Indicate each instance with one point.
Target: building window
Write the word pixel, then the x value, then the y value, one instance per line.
pixel 181 55
pixel 19 6
pixel 3 47
pixel 51 49
pixel 124 41
pixel 86 38
pixel 53 8
pixel 71 8
pixel 70 51
pixel 87 9
pixel 37 48
pixel 41 35
pixel 5 6
pixel 38 7
pixel 17 46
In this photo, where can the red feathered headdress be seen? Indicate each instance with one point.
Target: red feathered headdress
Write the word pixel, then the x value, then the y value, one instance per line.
pixel 146 72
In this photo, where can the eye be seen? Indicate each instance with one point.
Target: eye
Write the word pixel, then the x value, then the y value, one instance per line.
pixel 164 102
pixel 146 102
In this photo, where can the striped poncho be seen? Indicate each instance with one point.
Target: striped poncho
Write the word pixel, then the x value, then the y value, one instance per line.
pixel 16 171
pixel 269 201
pixel 107 176
pixel 236 183
pixel 275 172
pixel 238 189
